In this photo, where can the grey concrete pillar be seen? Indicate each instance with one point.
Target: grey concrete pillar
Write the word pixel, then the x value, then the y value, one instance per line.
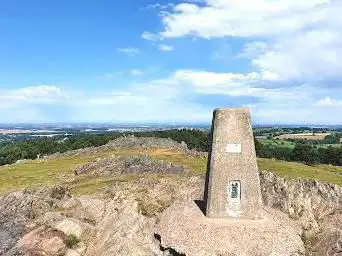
pixel 233 185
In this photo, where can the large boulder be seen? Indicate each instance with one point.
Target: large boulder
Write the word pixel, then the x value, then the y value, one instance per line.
pixel 41 241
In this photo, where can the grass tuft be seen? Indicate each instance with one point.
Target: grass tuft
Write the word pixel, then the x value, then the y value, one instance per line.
pixel 72 241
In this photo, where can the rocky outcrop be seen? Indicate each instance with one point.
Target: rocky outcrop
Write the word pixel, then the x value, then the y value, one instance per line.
pixel 132 142
pixel 119 222
pixel 315 205
pixel 19 209
pixel 123 231
pixel 307 200
pixel 129 142
pixel 41 241
pixel 127 164
pixel 329 240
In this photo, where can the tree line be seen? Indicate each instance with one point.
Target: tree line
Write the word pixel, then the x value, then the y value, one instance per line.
pixel 10 152
pixel 301 152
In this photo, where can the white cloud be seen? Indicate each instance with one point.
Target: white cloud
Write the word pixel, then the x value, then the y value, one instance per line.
pixel 136 72
pixel 42 94
pixel 28 104
pixel 165 48
pixel 311 55
pixel 150 36
pixel 160 6
pixel 129 51
pixel 204 79
pixel 153 6
pixel 234 84
pixel 297 40
pixel 170 98
pixel 327 101
pixel 243 18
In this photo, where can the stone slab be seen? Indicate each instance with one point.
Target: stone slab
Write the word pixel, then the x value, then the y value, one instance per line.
pixel 184 228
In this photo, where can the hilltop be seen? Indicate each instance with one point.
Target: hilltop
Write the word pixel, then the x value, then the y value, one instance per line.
pixel 108 200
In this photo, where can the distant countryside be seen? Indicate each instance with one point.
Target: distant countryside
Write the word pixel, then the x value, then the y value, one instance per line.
pixel 302 144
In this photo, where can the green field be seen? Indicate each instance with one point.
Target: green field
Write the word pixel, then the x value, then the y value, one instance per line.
pixel 37 173
pixel 289 144
pixel 282 143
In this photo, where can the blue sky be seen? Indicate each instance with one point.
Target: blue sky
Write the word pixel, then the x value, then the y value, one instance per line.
pixel 170 61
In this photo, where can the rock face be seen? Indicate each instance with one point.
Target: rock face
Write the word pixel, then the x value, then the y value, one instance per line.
pixel 317 207
pixel 307 200
pixel 18 210
pixel 329 240
pixel 123 231
pixel 127 164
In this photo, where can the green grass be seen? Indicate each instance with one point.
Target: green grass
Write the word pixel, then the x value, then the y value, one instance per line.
pixel 280 142
pixel 37 173
pixel 294 170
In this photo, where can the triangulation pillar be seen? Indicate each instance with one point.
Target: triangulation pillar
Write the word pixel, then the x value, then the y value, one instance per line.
pixel 233 185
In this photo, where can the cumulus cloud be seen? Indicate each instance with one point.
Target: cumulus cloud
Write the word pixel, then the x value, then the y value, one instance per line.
pixel 311 55
pixel 297 40
pixel 165 48
pixel 217 18
pixel 235 84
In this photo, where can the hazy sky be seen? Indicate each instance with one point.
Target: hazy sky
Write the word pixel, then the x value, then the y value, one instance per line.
pixel 170 61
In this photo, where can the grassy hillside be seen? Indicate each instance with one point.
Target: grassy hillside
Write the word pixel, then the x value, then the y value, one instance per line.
pixel 36 173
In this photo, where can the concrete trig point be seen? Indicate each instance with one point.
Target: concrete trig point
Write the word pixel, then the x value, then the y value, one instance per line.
pixel 233 185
